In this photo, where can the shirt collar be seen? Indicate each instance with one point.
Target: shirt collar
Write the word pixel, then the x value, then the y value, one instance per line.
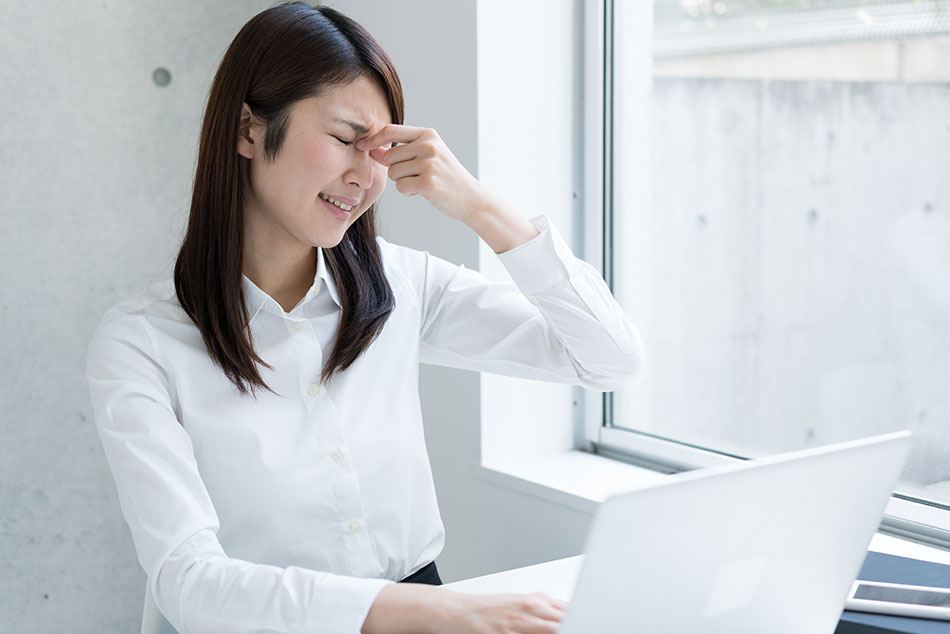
pixel 256 299
pixel 323 273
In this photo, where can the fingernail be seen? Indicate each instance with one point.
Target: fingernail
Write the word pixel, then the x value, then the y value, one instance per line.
pixel 360 144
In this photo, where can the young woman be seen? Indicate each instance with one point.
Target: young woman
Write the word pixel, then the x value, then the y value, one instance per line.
pixel 260 410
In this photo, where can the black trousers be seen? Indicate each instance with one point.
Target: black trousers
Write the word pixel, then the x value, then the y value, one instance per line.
pixel 427 574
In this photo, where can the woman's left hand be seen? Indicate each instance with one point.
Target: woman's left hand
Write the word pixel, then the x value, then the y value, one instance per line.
pixel 424 165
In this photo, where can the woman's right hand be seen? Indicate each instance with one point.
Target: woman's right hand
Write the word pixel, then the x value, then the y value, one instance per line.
pixel 535 613
pixel 408 608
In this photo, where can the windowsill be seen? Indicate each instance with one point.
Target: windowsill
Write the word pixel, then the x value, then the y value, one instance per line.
pixel 581 481
pixel 574 479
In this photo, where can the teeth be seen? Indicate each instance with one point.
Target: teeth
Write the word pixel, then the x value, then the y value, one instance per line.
pixel 336 202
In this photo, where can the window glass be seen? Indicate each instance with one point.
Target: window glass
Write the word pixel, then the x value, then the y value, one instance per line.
pixel 781 223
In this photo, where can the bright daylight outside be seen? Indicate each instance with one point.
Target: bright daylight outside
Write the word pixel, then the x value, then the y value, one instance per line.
pixel 787 255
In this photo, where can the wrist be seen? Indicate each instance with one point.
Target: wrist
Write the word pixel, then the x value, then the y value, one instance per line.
pixel 411 608
pixel 500 226
pixel 447 612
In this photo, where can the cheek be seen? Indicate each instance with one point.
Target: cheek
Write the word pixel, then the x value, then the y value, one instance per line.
pixel 263 182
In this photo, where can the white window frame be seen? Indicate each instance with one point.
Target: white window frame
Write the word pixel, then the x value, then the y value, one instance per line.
pixel 905 517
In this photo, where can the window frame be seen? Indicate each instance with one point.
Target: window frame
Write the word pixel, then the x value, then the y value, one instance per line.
pixel 905 517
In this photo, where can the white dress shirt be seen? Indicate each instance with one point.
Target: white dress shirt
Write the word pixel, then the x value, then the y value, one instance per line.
pixel 290 513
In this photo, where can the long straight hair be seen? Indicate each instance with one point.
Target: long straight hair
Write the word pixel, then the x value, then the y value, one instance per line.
pixel 286 53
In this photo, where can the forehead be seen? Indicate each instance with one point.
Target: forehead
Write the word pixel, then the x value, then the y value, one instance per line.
pixel 361 103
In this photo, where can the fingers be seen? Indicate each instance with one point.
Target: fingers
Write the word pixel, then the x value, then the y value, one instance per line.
pixel 545 607
pixel 377 154
pixel 404 169
pixel 399 154
pixel 514 613
pixel 390 133
pixel 410 185
pixel 540 614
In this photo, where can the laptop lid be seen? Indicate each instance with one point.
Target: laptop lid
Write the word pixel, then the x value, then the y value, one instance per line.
pixel 765 545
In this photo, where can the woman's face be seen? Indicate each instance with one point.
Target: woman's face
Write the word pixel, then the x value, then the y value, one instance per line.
pixel 286 203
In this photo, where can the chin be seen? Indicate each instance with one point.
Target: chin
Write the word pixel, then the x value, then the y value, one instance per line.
pixel 333 238
pixel 327 243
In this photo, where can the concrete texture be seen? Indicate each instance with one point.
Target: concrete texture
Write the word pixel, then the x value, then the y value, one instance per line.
pixel 96 164
pixel 799 266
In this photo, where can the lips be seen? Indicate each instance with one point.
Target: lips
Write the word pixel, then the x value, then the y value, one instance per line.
pixel 338 213
pixel 349 202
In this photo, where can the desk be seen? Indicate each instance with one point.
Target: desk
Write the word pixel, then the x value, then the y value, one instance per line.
pixel 557 578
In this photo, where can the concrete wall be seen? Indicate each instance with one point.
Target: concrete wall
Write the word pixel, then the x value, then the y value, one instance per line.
pixel 95 171
pixel 797 284
pixel 909 59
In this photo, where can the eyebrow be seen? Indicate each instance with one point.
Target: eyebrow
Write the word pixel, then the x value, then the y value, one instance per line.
pixel 359 128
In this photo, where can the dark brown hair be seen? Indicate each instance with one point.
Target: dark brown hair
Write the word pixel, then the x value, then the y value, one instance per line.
pixel 286 53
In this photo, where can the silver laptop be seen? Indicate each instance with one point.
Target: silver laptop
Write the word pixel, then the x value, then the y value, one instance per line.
pixel 766 545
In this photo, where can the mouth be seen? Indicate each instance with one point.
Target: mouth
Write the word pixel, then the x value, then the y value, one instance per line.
pixel 341 213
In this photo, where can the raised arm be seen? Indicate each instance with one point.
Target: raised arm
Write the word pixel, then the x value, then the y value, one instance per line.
pixel 558 322
pixel 561 324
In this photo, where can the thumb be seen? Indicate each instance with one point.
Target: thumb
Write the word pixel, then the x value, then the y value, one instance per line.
pixel 377 154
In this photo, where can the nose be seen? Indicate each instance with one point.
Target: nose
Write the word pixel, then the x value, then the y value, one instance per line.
pixel 361 169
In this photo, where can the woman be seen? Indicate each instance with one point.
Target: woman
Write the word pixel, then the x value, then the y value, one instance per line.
pixel 260 411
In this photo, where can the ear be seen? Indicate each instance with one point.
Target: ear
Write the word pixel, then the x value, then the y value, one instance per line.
pixel 249 132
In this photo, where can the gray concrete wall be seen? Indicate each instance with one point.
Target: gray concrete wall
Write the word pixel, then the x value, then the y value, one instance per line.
pixel 908 59
pixel 96 162
pixel 799 266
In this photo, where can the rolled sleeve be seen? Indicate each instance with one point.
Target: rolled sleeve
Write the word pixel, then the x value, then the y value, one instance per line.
pixel 343 603
pixel 546 261
pixel 542 262
pixel 200 589
pixel 559 322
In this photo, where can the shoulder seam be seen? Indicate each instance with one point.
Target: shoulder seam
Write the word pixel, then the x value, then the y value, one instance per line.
pixel 392 266
pixel 153 340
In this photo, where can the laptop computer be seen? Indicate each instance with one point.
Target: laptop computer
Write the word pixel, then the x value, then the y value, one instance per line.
pixel 765 545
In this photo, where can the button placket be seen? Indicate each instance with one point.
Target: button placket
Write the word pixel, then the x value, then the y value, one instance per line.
pixel 357 546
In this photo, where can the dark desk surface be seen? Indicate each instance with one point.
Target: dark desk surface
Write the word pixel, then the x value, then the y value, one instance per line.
pixel 893 569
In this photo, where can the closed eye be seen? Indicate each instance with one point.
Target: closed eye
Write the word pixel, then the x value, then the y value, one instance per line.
pixel 342 141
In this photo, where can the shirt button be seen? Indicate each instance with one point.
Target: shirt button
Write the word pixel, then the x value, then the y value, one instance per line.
pixel 355 527
pixel 315 389
pixel 298 325
pixel 337 455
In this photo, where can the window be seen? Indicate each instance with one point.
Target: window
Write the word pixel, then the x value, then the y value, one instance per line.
pixel 775 180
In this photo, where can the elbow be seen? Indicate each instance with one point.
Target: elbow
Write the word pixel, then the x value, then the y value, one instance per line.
pixel 630 359
pixel 620 373
pixel 177 584
pixel 633 361
pixel 168 592
pixel 618 376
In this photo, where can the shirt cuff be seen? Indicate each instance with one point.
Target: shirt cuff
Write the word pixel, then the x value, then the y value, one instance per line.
pixel 542 262
pixel 343 603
